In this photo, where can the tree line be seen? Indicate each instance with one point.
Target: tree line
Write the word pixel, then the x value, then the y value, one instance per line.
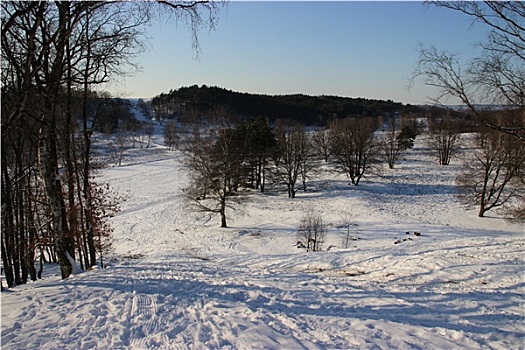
pixel 308 110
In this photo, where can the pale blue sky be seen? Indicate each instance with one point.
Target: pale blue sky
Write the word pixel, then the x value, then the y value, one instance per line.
pixel 345 48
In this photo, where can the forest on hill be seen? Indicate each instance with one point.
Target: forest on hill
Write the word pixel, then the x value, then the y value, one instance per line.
pixel 309 110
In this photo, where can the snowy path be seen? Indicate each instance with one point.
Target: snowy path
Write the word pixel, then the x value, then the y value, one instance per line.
pixel 176 301
pixel 180 284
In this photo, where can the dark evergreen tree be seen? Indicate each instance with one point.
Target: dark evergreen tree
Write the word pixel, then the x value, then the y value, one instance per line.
pixel 260 142
pixel 405 139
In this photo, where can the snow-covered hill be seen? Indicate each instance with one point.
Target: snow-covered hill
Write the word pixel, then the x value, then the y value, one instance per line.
pixel 181 282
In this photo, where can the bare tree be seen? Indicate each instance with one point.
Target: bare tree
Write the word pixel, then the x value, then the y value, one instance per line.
pixel 170 134
pixel 321 139
pixel 149 129
pixel 309 163
pixel 389 146
pixel 311 231
pixel 121 140
pixel 293 151
pixel 493 175
pixel 354 146
pixel 496 77
pixel 444 138
pixel 214 158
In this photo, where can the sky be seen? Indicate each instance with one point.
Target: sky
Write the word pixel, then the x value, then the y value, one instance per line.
pixel 344 48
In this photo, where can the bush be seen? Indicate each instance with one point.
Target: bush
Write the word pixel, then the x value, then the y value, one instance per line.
pixel 311 231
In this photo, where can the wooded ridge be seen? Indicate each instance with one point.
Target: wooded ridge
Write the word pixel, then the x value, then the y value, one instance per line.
pixel 309 110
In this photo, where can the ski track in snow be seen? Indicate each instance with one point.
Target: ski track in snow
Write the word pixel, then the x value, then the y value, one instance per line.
pixel 176 283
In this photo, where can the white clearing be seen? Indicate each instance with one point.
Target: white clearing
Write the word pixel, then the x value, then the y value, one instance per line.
pixel 178 281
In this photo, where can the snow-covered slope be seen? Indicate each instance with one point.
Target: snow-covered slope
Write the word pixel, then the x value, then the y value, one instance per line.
pixel 181 282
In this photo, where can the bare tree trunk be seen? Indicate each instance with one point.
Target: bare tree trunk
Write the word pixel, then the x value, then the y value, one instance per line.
pixel 223 219
pixel 30 256
pixel 49 171
pixel 263 179
pixel 67 143
pixel 223 197
pixel 88 200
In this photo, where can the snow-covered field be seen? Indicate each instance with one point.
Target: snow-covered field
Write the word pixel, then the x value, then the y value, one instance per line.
pixel 181 282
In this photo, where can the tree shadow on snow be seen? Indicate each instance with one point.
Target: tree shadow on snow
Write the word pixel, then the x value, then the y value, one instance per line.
pixel 183 284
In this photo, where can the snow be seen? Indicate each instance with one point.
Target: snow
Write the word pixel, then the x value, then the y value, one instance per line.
pixel 75 268
pixel 178 281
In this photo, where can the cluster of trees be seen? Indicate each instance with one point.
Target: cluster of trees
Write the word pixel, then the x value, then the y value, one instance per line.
pixel 225 157
pixel 307 110
pixel 495 78
pixel 54 55
pixel 222 158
